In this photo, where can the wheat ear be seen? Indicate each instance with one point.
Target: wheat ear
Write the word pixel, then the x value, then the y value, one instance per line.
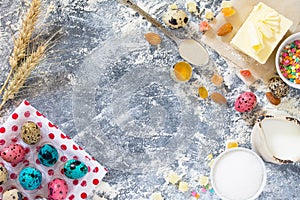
pixel 22 41
pixel 22 73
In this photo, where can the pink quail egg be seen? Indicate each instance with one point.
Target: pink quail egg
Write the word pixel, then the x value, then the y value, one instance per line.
pixel 14 153
pixel 245 102
pixel 57 189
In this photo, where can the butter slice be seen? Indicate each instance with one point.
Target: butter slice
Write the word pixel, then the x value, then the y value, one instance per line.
pixel 261 32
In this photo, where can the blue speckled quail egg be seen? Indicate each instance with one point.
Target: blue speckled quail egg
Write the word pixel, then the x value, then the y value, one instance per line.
pixel 75 169
pixel 175 18
pixel 3 174
pixel 30 133
pixel 30 178
pixel 48 155
pixel 12 194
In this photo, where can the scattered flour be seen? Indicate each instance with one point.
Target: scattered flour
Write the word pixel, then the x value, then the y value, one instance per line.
pixel 108 191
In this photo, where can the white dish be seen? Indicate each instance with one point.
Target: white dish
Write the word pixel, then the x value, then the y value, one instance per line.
pixel 276 139
pixel 238 174
pixel 290 39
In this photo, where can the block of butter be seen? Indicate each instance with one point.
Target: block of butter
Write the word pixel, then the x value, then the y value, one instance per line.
pixel 261 32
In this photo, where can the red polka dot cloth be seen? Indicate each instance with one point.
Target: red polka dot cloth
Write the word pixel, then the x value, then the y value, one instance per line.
pixel 67 149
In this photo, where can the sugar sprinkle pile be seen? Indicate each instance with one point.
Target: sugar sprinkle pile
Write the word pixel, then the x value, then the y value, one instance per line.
pixel 290 62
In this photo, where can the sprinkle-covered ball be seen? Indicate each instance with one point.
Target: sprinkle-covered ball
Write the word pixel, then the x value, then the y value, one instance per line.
pixel 30 178
pixel 12 194
pixel 48 155
pixel 278 87
pixel 245 102
pixel 75 169
pixel 30 133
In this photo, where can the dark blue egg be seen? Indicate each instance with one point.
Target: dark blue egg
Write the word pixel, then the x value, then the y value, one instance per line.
pixel 75 169
pixel 48 155
pixel 30 178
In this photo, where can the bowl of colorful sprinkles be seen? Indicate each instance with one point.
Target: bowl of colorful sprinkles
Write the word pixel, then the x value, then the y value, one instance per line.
pixel 288 60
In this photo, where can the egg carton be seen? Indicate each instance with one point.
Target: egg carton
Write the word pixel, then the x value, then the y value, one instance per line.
pixel 67 149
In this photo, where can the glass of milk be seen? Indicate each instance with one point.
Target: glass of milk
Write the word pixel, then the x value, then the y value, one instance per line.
pixel 238 174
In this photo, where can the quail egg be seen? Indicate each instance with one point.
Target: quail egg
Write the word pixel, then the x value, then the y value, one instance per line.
pixel 14 153
pixel 30 178
pixel 245 102
pixel 48 155
pixel 75 169
pixel 3 174
pixel 175 18
pixel 278 87
pixel 30 133
pixel 12 194
pixel 57 189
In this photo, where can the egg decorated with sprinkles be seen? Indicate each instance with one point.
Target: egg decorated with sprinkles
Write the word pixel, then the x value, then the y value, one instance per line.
pixel 48 155
pixel 30 133
pixel 30 178
pixel 75 169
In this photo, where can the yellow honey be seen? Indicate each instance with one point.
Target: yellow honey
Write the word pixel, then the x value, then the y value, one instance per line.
pixel 182 72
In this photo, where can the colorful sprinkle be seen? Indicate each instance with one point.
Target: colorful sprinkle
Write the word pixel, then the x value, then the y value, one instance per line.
pixel 227 12
pixel 289 61
pixel 211 163
pixel 203 190
pixel 192 7
pixel 204 180
pixel 173 7
pixel 196 195
pixel 209 156
pixel 245 73
pixel 209 15
pixel 172 178
pixel 204 26
pixel 226 4
pixel 156 196
pixel 183 186
pixel 231 144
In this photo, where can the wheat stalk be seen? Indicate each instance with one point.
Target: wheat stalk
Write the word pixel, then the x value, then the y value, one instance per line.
pixel 22 41
pixel 23 72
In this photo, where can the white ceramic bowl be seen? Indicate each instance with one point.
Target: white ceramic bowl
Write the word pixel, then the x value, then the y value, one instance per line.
pixel 290 39
pixel 238 174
